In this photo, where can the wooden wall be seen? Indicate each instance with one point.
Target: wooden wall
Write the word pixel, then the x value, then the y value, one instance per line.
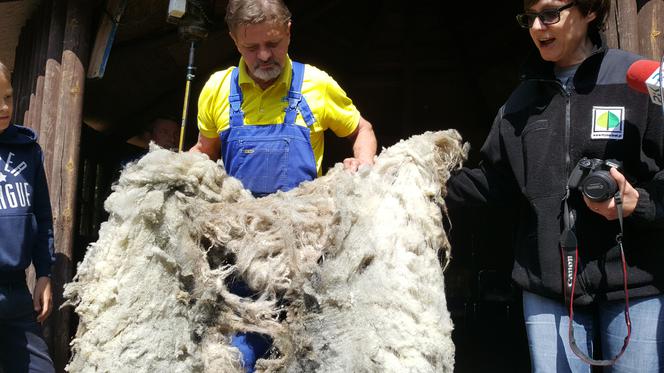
pixel 637 26
pixel 49 80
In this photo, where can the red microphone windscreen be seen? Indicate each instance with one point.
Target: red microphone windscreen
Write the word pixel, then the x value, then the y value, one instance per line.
pixel 639 72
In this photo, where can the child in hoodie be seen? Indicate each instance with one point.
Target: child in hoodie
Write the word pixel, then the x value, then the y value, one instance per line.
pixel 26 236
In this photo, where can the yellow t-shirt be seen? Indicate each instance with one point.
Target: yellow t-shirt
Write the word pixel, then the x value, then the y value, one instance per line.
pixel 327 101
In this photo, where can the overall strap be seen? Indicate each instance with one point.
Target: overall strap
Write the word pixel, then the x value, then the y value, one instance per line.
pixel 235 101
pixel 296 100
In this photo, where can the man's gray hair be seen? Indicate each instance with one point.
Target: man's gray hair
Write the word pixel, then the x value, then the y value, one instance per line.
pixel 251 12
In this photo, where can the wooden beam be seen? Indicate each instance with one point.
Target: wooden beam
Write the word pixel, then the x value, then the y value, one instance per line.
pixel 48 116
pixel 105 36
pixel 56 30
pixel 651 29
pixel 27 116
pixel 35 107
pixel 622 31
pixel 64 173
pixel 20 77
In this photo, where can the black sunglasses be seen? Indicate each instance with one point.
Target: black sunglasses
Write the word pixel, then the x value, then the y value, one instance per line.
pixel 547 16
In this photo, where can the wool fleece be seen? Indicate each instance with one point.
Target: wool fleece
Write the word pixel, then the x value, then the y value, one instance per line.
pixel 345 269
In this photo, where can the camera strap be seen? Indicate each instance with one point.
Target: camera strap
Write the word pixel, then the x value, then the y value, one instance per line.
pixel 570 256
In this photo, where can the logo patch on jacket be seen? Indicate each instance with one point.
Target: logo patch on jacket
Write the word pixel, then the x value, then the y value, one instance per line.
pixel 608 122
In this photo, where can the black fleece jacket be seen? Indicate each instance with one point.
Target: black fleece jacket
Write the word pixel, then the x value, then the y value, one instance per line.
pixel 537 138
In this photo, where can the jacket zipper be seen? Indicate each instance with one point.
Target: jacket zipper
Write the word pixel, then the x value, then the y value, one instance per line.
pixel 568 126
pixel 568 130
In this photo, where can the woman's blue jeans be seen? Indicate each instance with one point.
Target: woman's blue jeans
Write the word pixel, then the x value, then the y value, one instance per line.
pixel 547 329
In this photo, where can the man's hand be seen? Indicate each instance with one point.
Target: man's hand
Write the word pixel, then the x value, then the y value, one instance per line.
pixel 209 146
pixel 607 209
pixel 353 164
pixel 42 298
pixel 364 146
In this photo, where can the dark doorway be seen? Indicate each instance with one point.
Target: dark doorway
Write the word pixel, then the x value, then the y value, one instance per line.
pixel 409 67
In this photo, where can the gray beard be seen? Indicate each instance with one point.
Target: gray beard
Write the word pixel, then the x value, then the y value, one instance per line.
pixel 267 75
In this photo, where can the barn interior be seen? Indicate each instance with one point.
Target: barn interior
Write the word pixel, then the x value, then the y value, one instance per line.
pixel 409 68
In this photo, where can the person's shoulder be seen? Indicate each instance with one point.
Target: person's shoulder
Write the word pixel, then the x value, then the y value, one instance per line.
pixel 621 54
pixel 314 74
pixel 615 65
pixel 18 135
pixel 622 58
pixel 218 77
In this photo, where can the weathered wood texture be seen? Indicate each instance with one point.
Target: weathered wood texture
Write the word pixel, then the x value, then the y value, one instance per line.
pixel 651 29
pixel 105 35
pixel 621 26
pixel 49 80
pixel 65 167
pixel 35 107
pixel 52 78
pixel 637 26
pixel 49 113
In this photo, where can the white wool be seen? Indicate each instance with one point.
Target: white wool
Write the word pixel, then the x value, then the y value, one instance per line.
pixel 351 260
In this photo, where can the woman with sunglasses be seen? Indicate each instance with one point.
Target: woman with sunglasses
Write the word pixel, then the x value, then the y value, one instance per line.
pixel 592 271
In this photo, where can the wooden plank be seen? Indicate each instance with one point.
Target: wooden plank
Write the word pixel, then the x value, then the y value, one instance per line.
pixel 56 30
pixel 27 121
pixel 63 182
pixel 43 46
pixel 48 115
pixel 35 108
pixel 30 277
pixel 21 72
pixel 651 29
pixel 26 118
pixel 52 78
pixel 621 26
pixel 36 22
pixel 105 36
pixel 65 167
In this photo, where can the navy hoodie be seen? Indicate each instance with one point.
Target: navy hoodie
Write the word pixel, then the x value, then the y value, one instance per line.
pixel 26 225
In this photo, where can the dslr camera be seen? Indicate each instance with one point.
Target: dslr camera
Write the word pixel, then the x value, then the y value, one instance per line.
pixel 593 179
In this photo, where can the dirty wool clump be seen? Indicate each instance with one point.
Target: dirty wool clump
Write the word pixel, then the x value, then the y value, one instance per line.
pixel 345 269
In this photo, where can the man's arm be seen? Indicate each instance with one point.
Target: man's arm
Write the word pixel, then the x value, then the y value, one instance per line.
pixel 364 146
pixel 208 145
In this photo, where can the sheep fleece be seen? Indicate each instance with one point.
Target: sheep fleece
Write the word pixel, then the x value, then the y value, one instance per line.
pixel 346 269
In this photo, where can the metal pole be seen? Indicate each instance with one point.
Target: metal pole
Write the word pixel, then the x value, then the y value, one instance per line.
pixel 191 74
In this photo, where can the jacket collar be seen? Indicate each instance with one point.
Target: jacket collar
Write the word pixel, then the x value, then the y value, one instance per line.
pixel 535 68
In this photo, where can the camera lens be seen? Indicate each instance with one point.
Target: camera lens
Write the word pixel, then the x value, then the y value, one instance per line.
pixel 599 186
pixel 585 162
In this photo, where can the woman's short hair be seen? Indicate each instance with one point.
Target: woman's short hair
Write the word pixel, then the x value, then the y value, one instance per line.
pixel 600 7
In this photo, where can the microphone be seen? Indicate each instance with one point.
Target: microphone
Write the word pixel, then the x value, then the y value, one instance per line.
pixel 645 76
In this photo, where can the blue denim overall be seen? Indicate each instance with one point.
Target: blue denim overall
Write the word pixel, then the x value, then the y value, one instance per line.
pixel 268 158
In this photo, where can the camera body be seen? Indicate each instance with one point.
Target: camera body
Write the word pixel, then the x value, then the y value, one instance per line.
pixel 591 176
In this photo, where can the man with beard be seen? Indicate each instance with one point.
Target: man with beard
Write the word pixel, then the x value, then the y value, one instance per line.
pixel 266 117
